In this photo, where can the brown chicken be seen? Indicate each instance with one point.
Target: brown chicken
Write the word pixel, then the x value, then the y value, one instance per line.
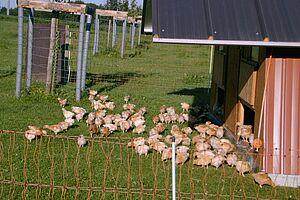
pixel 243 167
pixel 56 128
pixel 105 131
pixel 263 179
pixel 93 130
pixel 38 131
pixel 257 144
pixel 155 119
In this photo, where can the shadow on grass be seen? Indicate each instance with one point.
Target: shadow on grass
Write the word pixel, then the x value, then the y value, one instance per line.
pixel 110 81
pixel 200 102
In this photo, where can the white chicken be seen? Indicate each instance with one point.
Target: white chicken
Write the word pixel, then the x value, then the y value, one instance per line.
pixel 185 106
pixel 142 149
pixel 30 135
pixel 158 146
pixel 81 141
pixel 217 161
pixel 231 159
pixel 139 129
pixel 126 99
pixel 67 114
pixel 243 167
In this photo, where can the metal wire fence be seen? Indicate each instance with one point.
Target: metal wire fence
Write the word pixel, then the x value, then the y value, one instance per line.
pixel 56 167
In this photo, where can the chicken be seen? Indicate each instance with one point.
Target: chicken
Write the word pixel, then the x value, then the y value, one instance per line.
pixel 186 141
pixel 160 127
pixel 159 146
pixel 139 129
pixel 62 102
pixel 162 109
pixel 138 122
pixel 202 161
pixel 126 98
pixel 231 159
pixel 67 114
pixel 136 142
pixel 243 131
pixel 243 167
pixel 104 131
pixel 125 126
pixel 257 144
pixel 217 161
pixel 263 179
pixel 91 118
pixel 182 157
pixel 102 98
pixel 182 149
pixel 79 117
pixel 225 148
pixel 63 125
pixel 201 146
pixel 167 118
pixel 98 122
pixel 211 131
pixel 81 141
pixel 166 154
pixel 185 106
pixel 202 128
pixel 55 128
pixel 78 110
pixel 142 149
pixel 205 153
pixel 154 138
pixel 142 111
pixel 171 110
pixel 180 119
pixel 93 92
pixel 214 142
pixel 110 105
pixel 187 130
pixel 111 127
pixel 155 119
pixel 100 113
pixel 108 119
pixel 30 135
pixel 220 132
pixel 70 121
pixel 169 139
pixel 93 129
pixel 37 131
pixel 128 106
pixel 198 138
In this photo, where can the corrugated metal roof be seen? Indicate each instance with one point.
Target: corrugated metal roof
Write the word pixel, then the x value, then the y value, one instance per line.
pixel 230 20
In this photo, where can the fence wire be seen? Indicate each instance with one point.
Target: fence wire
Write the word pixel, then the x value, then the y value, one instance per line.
pixel 56 167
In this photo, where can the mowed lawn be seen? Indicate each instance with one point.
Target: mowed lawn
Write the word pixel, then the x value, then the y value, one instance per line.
pixel 54 166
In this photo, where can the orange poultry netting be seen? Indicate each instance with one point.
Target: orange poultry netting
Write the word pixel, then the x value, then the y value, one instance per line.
pixel 53 167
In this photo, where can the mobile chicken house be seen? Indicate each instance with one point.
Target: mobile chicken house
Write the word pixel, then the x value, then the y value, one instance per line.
pixel 256 67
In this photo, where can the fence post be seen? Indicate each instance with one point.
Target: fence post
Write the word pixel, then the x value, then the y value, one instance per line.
pixel 96 35
pixel 140 30
pixel 20 52
pixel 132 35
pixel 123 37
pixel 51 55
pixel 29 48
pixel 173 169
pixel 8 7
pixel 114 33
pixel 108 33
pixel 79 57
pixel 85 50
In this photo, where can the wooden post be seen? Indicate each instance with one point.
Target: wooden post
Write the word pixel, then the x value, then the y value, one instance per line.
pixel 241 112
pixel 50 57
pixel 108 33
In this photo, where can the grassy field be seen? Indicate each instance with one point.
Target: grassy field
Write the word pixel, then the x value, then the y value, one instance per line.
pixel 54 167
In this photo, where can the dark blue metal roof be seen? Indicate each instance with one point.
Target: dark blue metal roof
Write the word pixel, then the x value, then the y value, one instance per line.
pixel 227 20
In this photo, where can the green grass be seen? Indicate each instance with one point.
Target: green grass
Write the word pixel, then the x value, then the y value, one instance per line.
pixel 153 75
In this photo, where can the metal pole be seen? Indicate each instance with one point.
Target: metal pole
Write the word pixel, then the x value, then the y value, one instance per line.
pixel 211 58
pixel 29 48
pixel 132 35
pixel 20 52
pixel 140 30
pixel 95 36
pixel 8 7
pixel 79 57
pixel 173 169
pixel 123 37
pixel 98 35
pixel 114 33
pixel 85 50
pixel 108 33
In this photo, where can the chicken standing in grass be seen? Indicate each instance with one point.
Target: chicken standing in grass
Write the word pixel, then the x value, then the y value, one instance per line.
pixel 263 179
pixel 93 129
pixel 126 99
pixel 185 107
pixel 56 128
pixel 142 149
pixel 139 129
pixel 62 102
pixel 231 159
pixel 37 131
pixel 67 114
pixel 30 135
pixel 243 167
pixel 81 141
pixel 166 154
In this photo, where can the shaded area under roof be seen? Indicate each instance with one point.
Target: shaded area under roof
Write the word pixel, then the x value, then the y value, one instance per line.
pixel 232 22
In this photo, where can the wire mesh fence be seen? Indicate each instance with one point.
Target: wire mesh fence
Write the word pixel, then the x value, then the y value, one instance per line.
pixel 56 167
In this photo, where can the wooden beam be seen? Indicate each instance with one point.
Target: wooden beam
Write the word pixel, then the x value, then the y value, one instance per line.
pixel 53 6
pixel 112 13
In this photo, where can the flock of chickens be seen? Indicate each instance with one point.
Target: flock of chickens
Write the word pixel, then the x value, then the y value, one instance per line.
pixel 209 147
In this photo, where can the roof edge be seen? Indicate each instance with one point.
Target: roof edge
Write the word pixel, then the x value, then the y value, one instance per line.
pixel 226 42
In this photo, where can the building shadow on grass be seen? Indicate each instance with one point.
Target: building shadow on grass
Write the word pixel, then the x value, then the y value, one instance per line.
pixel 109 81
pixel 200 103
